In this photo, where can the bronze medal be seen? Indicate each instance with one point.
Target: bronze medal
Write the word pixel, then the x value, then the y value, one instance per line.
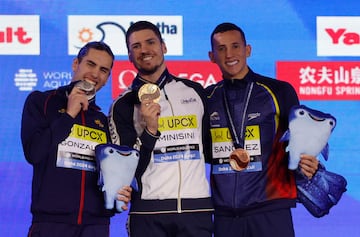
pixel 239 159
pixel 149 92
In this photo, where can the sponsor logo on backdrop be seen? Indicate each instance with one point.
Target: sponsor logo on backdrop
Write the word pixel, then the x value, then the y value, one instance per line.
pixel 19 35
pixel 338 35
pixel 25 79
pixel 55 79
pixel 322 80
pixel 112 29
pixel 203 72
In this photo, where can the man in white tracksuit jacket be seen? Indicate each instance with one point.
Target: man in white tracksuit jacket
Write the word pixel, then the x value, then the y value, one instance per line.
pixel 172 135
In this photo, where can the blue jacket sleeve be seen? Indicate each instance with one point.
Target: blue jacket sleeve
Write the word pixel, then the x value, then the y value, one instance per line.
pixel 39 135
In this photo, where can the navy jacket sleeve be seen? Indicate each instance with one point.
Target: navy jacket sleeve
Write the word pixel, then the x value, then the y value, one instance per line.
pixel 38 135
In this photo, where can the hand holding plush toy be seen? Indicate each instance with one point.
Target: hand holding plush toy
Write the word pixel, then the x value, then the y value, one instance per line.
pixel 308 133
pixel 116 165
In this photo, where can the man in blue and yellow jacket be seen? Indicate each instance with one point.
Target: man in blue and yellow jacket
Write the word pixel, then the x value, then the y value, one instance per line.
pixel 249 112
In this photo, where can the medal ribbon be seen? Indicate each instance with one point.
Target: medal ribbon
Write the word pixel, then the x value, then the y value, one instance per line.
pixel 238 142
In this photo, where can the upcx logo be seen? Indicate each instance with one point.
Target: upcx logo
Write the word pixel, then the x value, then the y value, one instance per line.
pixel 338 36
pixel 19 35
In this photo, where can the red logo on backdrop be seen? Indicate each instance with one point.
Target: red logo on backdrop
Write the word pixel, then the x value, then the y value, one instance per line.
pixel 322 80
pixel 203 72
pixel 18 34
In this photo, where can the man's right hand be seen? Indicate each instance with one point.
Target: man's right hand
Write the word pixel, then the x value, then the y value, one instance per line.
pixel 77 100
pixel 151 113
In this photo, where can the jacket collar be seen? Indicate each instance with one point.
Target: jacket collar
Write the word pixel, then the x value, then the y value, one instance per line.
pixel 249 77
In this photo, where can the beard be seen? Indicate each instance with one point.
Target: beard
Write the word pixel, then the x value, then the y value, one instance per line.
pixel 149 70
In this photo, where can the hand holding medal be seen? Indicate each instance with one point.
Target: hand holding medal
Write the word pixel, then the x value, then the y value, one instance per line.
pixel 80 97
pixel 88 88
pixel 149 96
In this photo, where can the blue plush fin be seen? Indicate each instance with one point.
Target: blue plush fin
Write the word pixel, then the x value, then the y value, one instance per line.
pixel 134 184
pixel 285 136
pixel 100 179
pixel 325 152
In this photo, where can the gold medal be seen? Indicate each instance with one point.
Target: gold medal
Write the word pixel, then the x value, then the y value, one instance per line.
pixel 239 159
pixel 149 92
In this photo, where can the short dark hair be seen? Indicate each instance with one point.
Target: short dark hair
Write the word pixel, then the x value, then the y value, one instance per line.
pixel 226 26
pixel 98 45
pixel 142 25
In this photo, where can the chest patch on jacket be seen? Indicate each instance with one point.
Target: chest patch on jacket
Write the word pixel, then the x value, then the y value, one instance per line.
pixel 179 139
pixel 77 151
pixel 223 146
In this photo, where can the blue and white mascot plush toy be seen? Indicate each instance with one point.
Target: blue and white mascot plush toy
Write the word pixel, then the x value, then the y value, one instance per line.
pixel 309 131
pixel 116 165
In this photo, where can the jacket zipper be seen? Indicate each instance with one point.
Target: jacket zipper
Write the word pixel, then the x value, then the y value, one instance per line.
pixel 179 190
pixel 179 208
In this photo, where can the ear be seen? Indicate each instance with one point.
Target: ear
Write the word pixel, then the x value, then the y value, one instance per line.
pixel 248 50
pixel 164 48
pixel 211 56
pixel 129 56
pixel 75 64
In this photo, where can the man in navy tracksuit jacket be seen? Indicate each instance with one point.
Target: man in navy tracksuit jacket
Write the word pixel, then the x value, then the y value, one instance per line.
pixel 172 134
pixel 250 111
pixel 59 131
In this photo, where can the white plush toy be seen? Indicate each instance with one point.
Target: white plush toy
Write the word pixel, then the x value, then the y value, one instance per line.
pixel 308 133
pixel 116 165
